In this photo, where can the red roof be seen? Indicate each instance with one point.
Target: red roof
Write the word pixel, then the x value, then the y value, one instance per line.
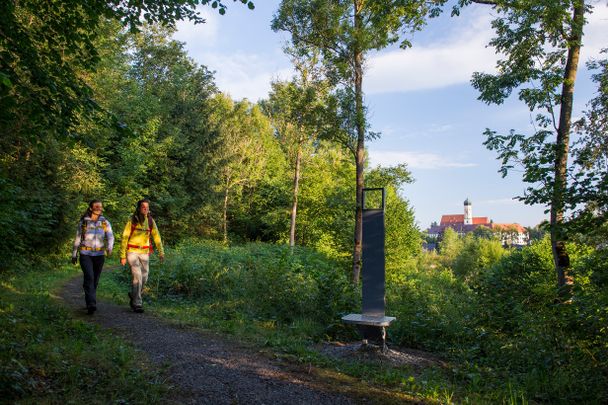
pixel 507 227
pixel 452 219
pixel 459 219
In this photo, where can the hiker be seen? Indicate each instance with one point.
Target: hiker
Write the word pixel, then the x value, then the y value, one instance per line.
pixel 136 247
pixel 94 238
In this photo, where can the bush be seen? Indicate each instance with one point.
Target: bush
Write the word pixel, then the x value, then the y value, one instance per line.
pixel 259 281
pixel 500 323
pixel 432 306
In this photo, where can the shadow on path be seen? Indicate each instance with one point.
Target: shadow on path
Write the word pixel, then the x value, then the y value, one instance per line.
pixel 205 368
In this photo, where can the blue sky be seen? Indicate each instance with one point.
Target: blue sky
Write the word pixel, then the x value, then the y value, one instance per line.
pixel 420 100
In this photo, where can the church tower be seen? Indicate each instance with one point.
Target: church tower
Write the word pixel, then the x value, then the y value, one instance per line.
pixel 468 212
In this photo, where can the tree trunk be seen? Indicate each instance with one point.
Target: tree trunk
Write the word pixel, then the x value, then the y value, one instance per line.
pixel 225 224
pixel 294 207
pixel 360 151
pixel 561 259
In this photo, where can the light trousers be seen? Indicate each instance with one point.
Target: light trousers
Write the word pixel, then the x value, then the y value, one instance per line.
pixel 140 267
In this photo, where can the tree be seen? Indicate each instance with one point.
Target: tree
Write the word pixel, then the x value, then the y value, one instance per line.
pixel 450 245
pixel 541 42
pixel 49 53
pixel 476 256
pixel 325 220
pixel 239 158
pixel 403 238
pixel 345 32
pixel 48 44
pixel 295 108
pixel 590 185
pixel 161 99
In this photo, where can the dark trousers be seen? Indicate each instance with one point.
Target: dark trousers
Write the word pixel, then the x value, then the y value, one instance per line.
pixel 91 268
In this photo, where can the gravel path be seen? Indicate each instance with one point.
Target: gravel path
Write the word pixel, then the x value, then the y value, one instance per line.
pixel 207 368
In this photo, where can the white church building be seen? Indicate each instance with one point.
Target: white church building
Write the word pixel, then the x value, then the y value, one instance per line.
pixel 510 234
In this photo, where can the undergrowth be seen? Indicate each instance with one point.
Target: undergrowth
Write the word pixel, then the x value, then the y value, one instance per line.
pixel 46 356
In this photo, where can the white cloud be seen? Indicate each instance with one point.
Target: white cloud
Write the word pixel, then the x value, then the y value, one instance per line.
pixel 200 35
pixel 414 160
pixel 502 201
pixel 428 130
pixel 244 75
pixel 595 32
pixel 441 128
pixel 452 61
pixel 434 65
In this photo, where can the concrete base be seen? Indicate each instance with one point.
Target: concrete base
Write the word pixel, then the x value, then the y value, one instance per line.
pixel 370 320
pixel 372 328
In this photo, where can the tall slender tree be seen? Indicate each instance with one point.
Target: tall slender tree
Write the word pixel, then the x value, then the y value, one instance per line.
pixel 541 42
pixel 296 110
pixel 345 31
pixel 238 160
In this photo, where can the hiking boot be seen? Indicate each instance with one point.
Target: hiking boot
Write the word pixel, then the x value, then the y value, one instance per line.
pixel 131 301
pixel 138 308
pixel 91 309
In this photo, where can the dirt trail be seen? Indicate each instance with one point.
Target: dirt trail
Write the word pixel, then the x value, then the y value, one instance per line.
pixel 210 369
pixel 205 368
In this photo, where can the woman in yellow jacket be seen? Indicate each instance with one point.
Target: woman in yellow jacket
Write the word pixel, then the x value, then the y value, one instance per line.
pixel 136 247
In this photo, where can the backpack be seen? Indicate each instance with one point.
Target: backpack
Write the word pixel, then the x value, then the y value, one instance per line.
pixel 150 226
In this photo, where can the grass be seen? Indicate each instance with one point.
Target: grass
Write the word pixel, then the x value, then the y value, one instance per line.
pixel 292 341
pixel 287 301
pixel 46 356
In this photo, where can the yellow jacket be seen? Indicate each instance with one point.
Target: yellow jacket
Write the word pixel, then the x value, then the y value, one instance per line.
pixel 139 241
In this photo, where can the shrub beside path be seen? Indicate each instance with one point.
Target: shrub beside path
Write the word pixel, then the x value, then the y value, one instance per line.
pixel 209 368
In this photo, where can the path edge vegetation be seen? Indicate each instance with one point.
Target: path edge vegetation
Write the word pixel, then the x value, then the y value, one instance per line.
pixel 49 354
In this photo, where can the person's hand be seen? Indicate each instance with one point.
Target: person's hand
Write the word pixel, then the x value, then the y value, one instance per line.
pixel 162 258
pixel 123 261
pixel 74 259
pixel 109 253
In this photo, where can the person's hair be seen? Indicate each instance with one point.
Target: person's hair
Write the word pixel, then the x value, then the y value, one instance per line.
pixel 137 215
pixel 89 210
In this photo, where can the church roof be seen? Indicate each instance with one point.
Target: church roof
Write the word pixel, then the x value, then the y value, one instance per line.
pixel 458 227
pixel 506 227
pixel 459 219
pixel 452 219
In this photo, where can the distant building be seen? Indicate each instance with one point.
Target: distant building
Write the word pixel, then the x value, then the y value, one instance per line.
pixel 510 234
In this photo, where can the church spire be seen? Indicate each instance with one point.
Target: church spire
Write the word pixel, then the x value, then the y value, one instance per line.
pixel 468 212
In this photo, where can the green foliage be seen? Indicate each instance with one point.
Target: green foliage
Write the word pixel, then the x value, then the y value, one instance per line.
pixel 476 255
pixel 244 152
pixel 450 246
pixel 403 239
pixel 432 307
pixel 47 356
pixel 63 122
pixel 259 282
pixel 501 330
pixel 502 325
pixel 590 185
pixel 545 345
pixel 325 215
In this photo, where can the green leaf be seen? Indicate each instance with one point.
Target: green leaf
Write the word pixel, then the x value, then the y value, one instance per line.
pixel 4 80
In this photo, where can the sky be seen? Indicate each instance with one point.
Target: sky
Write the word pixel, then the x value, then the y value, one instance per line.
pixel 420 99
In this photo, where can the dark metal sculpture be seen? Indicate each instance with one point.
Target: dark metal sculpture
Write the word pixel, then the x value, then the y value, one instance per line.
pixel 372 323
